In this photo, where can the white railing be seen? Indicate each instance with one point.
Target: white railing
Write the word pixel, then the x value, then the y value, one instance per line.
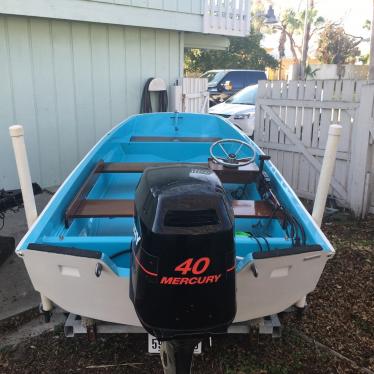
pixel 227 17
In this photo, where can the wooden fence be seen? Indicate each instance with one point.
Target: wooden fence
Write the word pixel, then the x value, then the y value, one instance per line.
pixel 190 95
pixel 292 123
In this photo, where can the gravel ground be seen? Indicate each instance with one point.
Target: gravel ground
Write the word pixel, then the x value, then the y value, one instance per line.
pixel 335 335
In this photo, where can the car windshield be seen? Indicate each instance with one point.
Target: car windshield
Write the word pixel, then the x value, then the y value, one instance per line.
pixel 246 96
pixel 213 76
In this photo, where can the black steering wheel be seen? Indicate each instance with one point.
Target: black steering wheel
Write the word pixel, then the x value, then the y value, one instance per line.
pixel 231 158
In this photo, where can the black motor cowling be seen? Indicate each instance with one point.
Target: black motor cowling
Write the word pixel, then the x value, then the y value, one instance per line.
pixel 183 259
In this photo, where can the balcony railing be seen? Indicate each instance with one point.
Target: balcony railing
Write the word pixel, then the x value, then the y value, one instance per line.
pixel 227 17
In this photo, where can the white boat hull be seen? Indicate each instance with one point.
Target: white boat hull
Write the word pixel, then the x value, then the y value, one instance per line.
pixel 70 282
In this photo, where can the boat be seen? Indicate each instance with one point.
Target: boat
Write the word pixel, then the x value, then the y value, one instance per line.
pixel 175 179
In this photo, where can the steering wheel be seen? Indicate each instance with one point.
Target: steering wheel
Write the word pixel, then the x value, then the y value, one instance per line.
pixel 231 159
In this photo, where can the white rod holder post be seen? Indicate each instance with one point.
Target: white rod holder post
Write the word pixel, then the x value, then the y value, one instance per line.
pixel 17 135
pixel 16 132
pixel 324 181
pixel 327 171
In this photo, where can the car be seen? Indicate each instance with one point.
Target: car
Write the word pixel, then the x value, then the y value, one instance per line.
pixel 239 109
pixel 224 83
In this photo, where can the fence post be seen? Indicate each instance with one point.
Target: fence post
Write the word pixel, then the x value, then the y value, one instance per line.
pixel 16 133
pixel 261 91
pixel 360 151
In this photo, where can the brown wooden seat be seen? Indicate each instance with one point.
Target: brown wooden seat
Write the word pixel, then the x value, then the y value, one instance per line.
pixel 80 207
pixel 104 208
pixel 125 208
pixel 252 208
pixel 243 174
pixel 182 139
pixel 136 167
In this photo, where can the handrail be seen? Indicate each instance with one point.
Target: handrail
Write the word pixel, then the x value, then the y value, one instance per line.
pixel 227 17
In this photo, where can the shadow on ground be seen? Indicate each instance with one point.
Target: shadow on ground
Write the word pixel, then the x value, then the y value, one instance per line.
pixel 16 291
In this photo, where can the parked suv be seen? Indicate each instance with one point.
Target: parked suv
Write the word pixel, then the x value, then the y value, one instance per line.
pixel 224 83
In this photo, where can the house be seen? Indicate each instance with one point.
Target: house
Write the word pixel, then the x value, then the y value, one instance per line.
pixel 72 69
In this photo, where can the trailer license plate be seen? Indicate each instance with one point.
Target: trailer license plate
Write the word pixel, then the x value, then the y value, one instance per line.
pixel 154 345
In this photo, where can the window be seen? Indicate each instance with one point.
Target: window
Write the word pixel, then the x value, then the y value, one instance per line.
pixel 247 96
pixel 252 77
pixel 236 78
pixel 213 76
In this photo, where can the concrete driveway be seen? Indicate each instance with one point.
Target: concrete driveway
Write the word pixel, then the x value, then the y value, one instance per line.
pixel 16 291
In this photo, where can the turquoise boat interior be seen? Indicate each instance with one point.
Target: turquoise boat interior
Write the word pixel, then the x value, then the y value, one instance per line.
pixel 93 209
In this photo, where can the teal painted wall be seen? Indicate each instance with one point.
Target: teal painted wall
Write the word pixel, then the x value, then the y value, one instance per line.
pixel 68 83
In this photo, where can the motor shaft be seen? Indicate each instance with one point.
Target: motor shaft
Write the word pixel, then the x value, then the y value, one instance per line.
pixel 176 355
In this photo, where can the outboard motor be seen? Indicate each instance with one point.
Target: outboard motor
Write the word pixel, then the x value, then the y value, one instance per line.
pixel 183 258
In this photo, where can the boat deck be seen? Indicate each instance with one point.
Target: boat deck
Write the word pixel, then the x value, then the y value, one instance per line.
pixel 95 209
pixel 103 209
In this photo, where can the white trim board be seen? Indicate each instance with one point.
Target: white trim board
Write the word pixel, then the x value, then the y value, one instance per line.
pixel 102 12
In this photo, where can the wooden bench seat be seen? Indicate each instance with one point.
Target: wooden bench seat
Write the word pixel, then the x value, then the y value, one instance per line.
pixel 104 208
pixel 125 208
pixel 182 139
pixel 243 174
pixel 137 167
pixel 80 207
pixel 252 209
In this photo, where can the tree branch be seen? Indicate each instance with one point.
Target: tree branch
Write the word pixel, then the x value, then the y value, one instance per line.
pixel 292 45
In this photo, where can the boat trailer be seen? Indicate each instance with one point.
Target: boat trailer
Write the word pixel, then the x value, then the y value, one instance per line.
pixel 76 325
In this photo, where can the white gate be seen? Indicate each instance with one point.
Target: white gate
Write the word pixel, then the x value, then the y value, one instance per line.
pixel 190 95
pixel 292 122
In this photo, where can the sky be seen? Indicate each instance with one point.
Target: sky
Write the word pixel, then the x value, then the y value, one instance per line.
pixel 351 13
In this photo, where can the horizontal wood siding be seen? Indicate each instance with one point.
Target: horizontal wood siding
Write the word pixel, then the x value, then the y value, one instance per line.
pixel 68 83
pixel 174 15
pixel 183 6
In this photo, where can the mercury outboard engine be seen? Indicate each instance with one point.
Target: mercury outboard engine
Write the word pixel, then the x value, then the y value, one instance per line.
pixel 183 258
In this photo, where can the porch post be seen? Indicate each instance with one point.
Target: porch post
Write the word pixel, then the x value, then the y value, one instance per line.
pixel 360 152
